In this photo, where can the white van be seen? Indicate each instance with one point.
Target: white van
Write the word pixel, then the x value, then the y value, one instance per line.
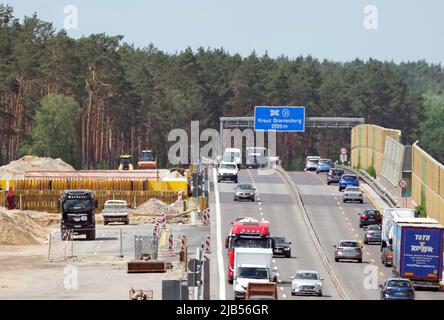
pixel 232 155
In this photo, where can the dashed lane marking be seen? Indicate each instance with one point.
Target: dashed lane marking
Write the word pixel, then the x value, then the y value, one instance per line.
pixel 282 288
pixel 368 253
pixel 284 296
pixel 356 235
pixel 382 274
pixel 353 229
pixel 349 224
pixel 274 261
pixel 372 260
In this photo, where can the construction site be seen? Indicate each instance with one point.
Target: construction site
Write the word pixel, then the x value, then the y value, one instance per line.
pixel 145 258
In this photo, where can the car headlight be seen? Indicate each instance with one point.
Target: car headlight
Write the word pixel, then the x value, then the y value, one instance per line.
pixel 319 284
pixel 286 249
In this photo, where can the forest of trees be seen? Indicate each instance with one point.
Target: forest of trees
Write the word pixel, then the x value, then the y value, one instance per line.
pixel 121 99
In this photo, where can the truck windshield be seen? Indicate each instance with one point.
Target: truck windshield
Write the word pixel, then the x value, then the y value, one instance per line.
pixel 253 273
pixel 126 161
pixel 148 156
pixel 77 205
pixel 228 166
pixel 250 243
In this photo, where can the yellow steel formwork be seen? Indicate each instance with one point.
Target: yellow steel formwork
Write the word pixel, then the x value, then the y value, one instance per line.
pixel 42 193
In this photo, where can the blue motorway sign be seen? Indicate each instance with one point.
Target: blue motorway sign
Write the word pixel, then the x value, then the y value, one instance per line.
pixel 279 119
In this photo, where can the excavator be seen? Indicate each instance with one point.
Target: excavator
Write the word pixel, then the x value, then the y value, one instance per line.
pixel 147 160
pixel 126 162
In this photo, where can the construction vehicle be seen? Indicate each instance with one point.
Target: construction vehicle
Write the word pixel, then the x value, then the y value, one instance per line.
pixel 77 208
pixel 126 162
pixel 147 160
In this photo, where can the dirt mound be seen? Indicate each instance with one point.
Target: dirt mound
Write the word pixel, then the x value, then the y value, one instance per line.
pixel 16 169
pixel 173 176
pixel 17 228
pixel 155 207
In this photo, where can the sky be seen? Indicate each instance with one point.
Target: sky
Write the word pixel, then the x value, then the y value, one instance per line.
pixel 338 30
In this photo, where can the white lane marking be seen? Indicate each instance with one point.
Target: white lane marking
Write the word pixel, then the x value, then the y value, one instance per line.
pixel 220 263
pixel 277 274
pixel 284 296
pixel 275 268
pixel 258 199
pixel 274 261
pixel 259 203
pixel 368 253
pixel 260 208
pixel 282 288
pixel 103 235
pixel 261 213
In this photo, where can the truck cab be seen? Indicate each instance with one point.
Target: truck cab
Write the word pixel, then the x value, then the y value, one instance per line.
pixel 251 265
pixel 246 233
pixel 77 209
pixel 147 160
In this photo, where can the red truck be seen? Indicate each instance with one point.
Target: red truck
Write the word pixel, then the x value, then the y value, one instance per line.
pixel 246 233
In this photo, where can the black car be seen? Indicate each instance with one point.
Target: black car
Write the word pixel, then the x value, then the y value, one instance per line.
pixel 281 247
pixel 334 175
pixel 369 217
pixel 373 234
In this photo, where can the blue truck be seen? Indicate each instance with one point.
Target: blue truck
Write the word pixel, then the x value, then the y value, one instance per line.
pixel 418 251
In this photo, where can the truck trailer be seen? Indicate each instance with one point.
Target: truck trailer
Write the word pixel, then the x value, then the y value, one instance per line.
pixel 418 251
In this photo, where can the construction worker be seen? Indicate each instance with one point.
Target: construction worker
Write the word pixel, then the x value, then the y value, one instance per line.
pixel 10 199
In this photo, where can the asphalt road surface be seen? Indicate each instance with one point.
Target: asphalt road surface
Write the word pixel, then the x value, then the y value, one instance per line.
pixel 334 220
pixel 275 203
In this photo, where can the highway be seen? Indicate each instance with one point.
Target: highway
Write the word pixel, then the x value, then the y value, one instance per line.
pixel 334 220
pixel 275 203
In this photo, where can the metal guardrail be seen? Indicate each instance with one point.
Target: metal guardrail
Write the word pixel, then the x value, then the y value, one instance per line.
pixel 381 191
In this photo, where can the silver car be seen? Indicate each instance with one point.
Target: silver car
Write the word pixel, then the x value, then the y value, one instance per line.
pixel 244 192
pixel 306 282
pixel 311 163
pixel 348 250
pixel 353 194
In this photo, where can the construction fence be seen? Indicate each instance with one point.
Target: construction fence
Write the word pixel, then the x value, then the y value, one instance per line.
pixel 368 144
pixel 428 183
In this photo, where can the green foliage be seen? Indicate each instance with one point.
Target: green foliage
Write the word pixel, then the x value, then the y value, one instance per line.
pixel 422 210
pixel 371 171
pixel 432 128
pixel 54 128
pixel 137 95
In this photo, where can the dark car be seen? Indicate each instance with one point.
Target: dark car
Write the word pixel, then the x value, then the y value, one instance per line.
pixel 373 234
pixel 324 165
pixel 348 250
pixel 369 217
pixel 334 175
pixel 348 180
pixel 397 289
pixel 281 247
pixel 244 192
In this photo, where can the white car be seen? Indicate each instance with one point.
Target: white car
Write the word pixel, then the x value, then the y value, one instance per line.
pixel 311 163
pixel 227 171
pixel 306 282
pixel 353 194
pixel 115 211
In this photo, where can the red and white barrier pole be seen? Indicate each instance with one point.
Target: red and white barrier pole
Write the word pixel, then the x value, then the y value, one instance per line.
pixel 170 245
pixel 184 243
pixel 180 195
pixel 206 217
pixel 207 244
pixel 163 220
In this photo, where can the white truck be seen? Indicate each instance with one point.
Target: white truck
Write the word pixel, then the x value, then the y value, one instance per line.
pixel 115 211
pixel 251 265
pixel 232 155
pixel 388 217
